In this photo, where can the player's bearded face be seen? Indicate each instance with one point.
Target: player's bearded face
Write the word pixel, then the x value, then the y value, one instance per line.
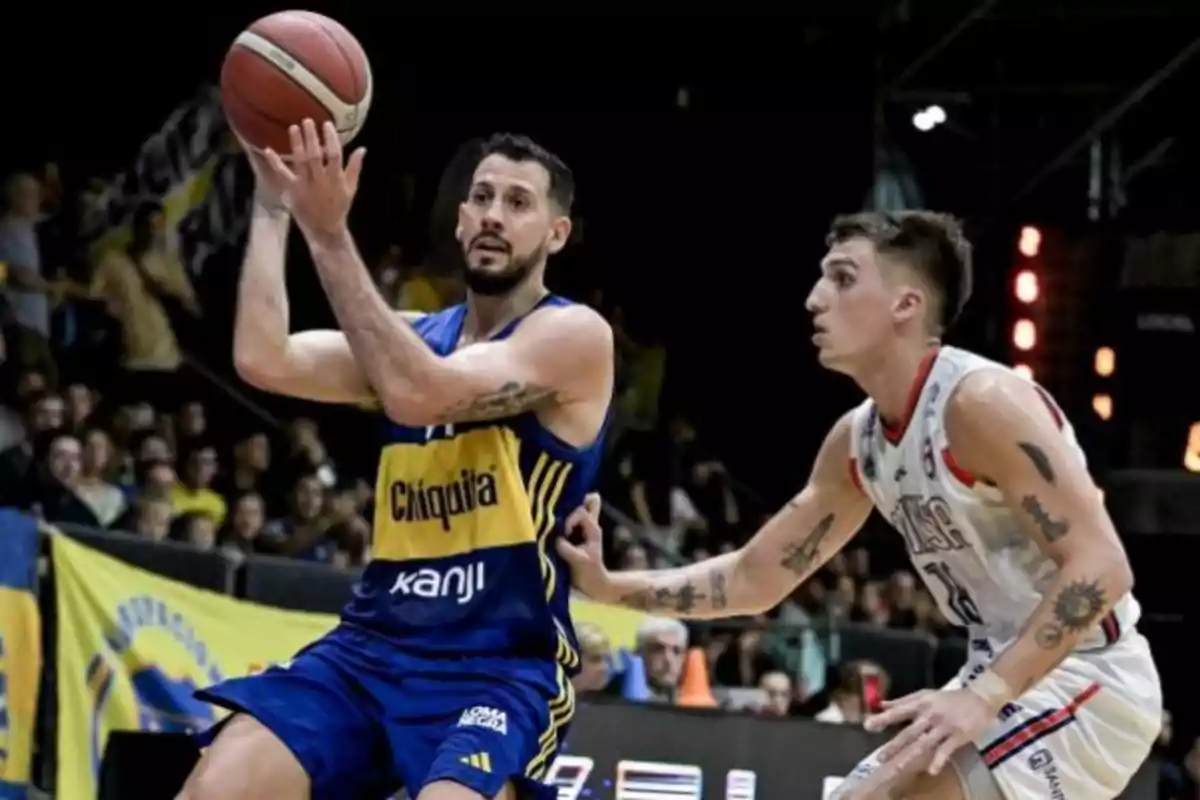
pixel 491 267
pixel 506 226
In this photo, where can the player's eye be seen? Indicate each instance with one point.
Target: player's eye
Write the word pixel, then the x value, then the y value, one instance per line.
pixel 518 202
pixel 843 279
pixel 480 197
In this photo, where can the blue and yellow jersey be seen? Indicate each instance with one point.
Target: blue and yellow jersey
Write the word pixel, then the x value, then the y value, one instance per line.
pixel 463 561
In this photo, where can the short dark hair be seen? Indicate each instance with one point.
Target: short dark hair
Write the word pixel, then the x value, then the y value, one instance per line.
pixel 933 243
pixel 522 148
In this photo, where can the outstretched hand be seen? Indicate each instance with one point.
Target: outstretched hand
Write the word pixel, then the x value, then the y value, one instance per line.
pixel 313 184
pixel 585 556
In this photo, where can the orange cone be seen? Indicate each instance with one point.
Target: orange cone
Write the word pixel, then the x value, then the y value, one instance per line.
pixel 695 690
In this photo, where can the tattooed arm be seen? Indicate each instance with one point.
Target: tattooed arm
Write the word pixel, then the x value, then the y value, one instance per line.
pixel 800 538
pixel 559 355
pixel 1000 429
pixel 311 365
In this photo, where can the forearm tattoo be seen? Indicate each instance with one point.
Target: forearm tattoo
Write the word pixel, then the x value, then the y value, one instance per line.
pixel 799 557
pixel 681 598
pixel 1077 609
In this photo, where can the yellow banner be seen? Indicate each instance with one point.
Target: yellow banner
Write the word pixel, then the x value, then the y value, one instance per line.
pixel 132 646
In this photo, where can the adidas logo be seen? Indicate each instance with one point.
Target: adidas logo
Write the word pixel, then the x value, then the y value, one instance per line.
pixel 480 761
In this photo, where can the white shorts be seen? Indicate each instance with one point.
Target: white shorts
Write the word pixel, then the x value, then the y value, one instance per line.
pixel 1082 732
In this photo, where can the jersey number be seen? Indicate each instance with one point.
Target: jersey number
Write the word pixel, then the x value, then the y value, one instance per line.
pixel 957 598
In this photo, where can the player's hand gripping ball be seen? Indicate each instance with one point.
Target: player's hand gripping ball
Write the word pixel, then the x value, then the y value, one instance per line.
pixel 317 186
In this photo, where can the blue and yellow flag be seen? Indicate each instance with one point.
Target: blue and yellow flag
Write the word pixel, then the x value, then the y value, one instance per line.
pixel 133 646
pixel 20 650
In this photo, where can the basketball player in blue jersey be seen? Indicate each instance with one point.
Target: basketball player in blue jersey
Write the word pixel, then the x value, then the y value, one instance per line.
pixel 449 674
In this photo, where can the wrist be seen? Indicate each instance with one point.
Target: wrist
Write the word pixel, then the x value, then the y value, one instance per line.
pixel 992 689
pixel 270 206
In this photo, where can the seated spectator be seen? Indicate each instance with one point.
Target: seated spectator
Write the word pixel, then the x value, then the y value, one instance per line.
pixel 43 412
pixel 151 518
pixel 872 608
pixel 595 653
pixel 846 701
pixel 94 488
pixel 303 533
pixel 195 528
pixel 662 644
pixel 55 497
pixel 193 492
pixel 744 661
pixel 777 686
pixel 240 537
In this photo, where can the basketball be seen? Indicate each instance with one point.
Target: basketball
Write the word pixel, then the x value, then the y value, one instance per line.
pixel 290 66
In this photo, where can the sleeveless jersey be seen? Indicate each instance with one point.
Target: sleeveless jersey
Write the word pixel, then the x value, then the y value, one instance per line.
pixel 463 558
pixel 983 569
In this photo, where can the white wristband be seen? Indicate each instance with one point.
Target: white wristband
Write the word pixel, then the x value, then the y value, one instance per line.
pixel 992 688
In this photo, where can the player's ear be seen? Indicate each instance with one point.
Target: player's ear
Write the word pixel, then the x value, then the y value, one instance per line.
pixel 458 226
pixel 909 303
pixel 560 233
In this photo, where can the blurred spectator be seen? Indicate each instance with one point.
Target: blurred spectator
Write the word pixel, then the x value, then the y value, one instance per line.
pixel 194 491
pixel 55 495
pixel 195 528
pixel 777 687
pixel 902 599
pixel 846 699
pixel 744 661
pixel 80 403
pixel 136 285
pixel 307 454
pixel 250 468
pixel 872 605
pixel 246 520
pixel 152 517
pixel 28 282
pixel 595 654
pixel 44 412
pixel 95 487
pixel 662 644
pixel 191 426
pixel 303 532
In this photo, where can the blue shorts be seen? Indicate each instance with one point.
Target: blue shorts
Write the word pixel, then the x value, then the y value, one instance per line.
pixel 365 719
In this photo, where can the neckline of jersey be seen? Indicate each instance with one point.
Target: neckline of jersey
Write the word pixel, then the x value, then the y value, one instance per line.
pixel 505 331
pixel 894 433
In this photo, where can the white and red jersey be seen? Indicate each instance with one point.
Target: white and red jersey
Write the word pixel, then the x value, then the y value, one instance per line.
pixel 966 543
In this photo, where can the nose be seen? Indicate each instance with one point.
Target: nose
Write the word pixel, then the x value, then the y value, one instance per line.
pixel 813 303
pixel 493 220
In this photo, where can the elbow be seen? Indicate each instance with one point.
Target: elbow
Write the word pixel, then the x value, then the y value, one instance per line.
pixel 408 407
pixel 750 591
pixel 252 368
pixel 1120 576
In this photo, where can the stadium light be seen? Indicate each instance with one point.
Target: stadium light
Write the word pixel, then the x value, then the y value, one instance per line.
pixel 1105 362
pixel 1102 404
pixel 1026 286
pixel 1024 370
pixel 1024 334
pixel 1029 243
pixel 1191 456
pixel 929 118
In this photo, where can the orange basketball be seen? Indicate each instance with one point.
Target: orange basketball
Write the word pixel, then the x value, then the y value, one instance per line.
pixel 290 66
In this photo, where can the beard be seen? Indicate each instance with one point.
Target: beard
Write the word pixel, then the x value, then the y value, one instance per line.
pixel 489 283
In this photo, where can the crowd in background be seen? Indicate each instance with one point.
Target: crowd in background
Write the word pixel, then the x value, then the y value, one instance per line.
pixel 102 424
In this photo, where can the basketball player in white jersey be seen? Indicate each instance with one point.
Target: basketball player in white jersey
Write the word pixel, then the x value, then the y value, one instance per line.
pixel 977 469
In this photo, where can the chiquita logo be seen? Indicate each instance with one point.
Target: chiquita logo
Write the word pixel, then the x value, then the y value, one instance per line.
pixel 421 501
